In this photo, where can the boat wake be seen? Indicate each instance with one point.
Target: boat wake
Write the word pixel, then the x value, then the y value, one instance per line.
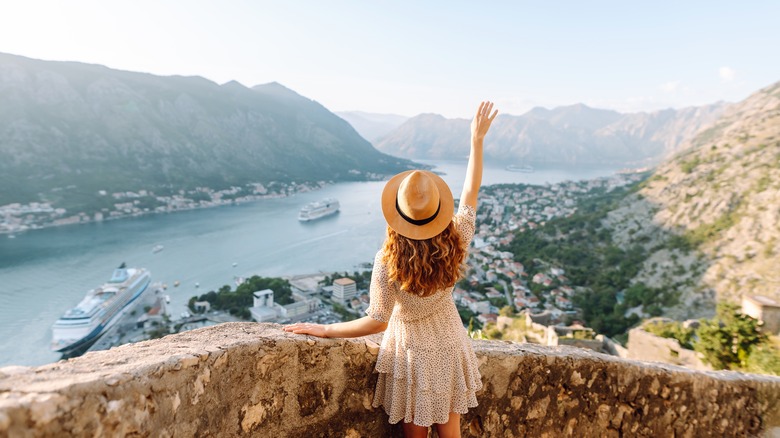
pixel 315 239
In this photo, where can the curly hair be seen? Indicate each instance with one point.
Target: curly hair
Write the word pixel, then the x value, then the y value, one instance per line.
pixel 422 267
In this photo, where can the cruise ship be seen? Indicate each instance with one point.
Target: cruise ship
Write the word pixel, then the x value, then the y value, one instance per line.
pixel 318 209
pixel 523 169
pixel 100 309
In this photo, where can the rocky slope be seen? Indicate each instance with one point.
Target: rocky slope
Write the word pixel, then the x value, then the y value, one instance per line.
pixel 574 134
pixel 68 130
pixel 720 198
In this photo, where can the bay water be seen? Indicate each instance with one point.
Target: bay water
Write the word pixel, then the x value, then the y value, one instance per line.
pixel 45 272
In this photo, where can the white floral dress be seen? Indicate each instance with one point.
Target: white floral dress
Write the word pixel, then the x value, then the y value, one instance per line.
pixel 426 363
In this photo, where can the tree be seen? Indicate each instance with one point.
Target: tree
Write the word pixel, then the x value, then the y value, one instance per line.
pixel 727 340
pixel 672 330
pixel 506 311
pixel 238 302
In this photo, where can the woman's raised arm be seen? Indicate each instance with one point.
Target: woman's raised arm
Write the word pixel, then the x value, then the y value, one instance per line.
pixel 479 127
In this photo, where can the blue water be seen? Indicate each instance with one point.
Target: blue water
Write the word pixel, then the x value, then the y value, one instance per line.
pixel 45 272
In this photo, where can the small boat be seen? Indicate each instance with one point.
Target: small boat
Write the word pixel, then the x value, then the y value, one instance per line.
pixel 167 299
pixel 197 284
pixel 524 169
pixel 157 248
pixel 176 283
pixel 235 264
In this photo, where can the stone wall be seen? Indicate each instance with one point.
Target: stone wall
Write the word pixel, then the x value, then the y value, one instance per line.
pixel 612 347
pixel 643 345
pixel 241 379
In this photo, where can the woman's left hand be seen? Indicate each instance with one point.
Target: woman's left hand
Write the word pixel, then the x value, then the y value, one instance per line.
pixel 307 328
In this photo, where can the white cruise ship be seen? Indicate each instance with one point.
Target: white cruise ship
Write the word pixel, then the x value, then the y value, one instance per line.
pixel 100 309
pixel 524 169
pixel 318 209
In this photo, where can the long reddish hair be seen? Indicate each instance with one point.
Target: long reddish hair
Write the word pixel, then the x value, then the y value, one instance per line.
pixel 422 267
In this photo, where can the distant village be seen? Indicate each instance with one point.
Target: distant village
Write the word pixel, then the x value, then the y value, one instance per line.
pixel 18 217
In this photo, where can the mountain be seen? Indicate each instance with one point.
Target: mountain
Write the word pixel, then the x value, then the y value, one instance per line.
pixel 575 134
pixel 429 136
pixel 372 126
pixel 720 197
pixel 69 130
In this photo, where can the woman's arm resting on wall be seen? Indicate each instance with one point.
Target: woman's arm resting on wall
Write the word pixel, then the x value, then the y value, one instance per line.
pixel 350 329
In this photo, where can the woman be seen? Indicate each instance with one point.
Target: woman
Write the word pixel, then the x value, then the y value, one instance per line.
pixel 428 370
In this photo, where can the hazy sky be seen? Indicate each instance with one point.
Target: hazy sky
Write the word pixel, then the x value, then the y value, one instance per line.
pixel 409 57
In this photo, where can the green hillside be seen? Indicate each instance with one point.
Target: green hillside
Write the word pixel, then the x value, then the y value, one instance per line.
pixel 69 130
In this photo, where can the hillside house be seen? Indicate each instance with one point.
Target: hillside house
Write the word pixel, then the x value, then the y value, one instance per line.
pixel 764 309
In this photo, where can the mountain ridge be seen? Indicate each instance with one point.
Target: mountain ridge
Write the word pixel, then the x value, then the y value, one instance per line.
pixel 372 126
pixel 72 129
pixel 720 197
pixel 571 134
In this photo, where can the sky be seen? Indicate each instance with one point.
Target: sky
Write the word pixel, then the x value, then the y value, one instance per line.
pixel 412 57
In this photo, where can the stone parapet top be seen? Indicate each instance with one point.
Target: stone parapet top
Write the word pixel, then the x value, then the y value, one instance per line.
pixel 239 379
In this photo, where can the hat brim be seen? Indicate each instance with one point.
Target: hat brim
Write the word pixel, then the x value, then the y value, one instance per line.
pixel 407 229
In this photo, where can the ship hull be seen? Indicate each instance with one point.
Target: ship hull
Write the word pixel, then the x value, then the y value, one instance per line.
pixel 319 210
pixel 520 169
pixel 320 216
pixel 74 346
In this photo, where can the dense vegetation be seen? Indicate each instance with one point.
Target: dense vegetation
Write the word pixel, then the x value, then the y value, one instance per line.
pixel 727 340
pixel 238 301
pixel 584 248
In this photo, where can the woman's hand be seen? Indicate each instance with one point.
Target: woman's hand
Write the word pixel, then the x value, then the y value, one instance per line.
pixel 481 123
pixel 307 328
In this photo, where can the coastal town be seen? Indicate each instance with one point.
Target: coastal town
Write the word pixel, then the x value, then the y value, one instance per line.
pixel 494 283
pixel 18 217
pixel 498 297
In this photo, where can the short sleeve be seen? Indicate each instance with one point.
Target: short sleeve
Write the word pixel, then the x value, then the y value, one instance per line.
pixel 465 221
pixel 381 296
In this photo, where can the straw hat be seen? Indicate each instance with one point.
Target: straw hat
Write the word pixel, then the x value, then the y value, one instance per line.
pixel 417 204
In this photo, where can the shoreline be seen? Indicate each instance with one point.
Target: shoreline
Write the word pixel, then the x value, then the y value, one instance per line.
pixel 286 190
pixel 140 214
pixel 233 202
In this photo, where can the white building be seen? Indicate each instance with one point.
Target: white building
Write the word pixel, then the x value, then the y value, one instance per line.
pixel 202 306
pixel 299 308
pixel 263 308
pixel 764 309
pixel 344 289
pixel 480 306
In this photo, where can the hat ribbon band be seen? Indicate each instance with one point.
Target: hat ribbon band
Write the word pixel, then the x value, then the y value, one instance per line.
pixel 414 221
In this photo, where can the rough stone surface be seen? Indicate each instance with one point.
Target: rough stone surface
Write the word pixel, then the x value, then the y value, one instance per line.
pixel 242 379
pixel 643 345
